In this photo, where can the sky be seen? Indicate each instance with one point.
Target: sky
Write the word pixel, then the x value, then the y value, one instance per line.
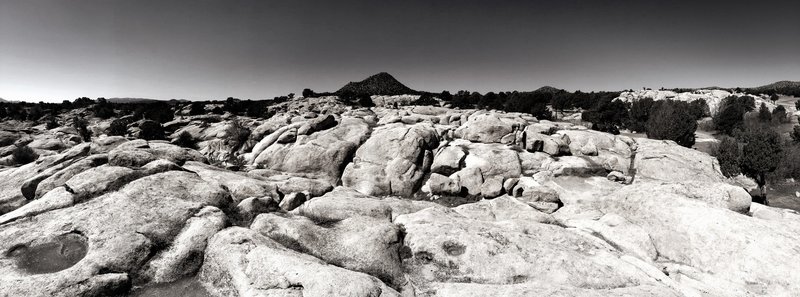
pixel 52 50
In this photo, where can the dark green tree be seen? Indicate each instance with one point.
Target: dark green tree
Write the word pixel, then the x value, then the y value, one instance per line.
pixel 731 113
pixel 197 108
pixel 760 155
pixel 186 140
pixel 672 120
pixel 796 134
pixel 151 130
pixel 23 155
pixel 729 156
pixel 446 96
pixel 779 114
pixel 764 115
pixel 82 126
pixel 639 114
pixel 118 127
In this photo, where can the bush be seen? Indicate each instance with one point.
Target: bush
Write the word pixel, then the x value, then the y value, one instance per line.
pixel 761 155
pixel 52 123
pixel 366 101
pixel 308 93
pixel 197 108
pixel 639 114
pixel 118 127
pixel 424 100
pixel 23 155
pixel 731 113
pixel 81 125
pixel 764 115
pixel 795 134
pixel 236 134
pixel 729 156
pixel 607 116
pixel 151 130
pixel 779 114
pixel 186 140
pixel 672 120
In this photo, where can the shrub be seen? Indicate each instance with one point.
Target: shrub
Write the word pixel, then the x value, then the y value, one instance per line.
pixel 308 93
pixel 729 156
pixel 236 134
pixel 151 130
pixel 366 101
pixel 186 140
pixel 118 127
pixel 779 114
pixel 795 134
pixel 426 100
pixel 197 108
pixel 764 115
pixel 23 155
pixel 52 123
pixel 761 154
pixel 639 114
pixel 607 116
pixel 731 113
pixel 672 120
pixel 81 125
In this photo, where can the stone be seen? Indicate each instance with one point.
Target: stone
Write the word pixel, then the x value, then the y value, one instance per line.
pixel 750 255
pixel 545 207
pixel 616 176
pixel 471 179
pixel 322 154
pixel 250 207
pixel 185 255
pixel 98 180
pixel 447 247
pixel 509 184
pixel 292 201
pixel 492 187
pixel 242 262
pixel 288 137
pixel 121 230
pixel 485 128
pixel 448 160
pixel 443 185
pixel 664 160
pixel 503 208
pixel 239 185
pixel 529 190
pixel 393 160
pixel 375 251
pixel 342 203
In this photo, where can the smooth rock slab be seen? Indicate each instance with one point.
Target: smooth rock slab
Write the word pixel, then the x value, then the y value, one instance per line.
pixel 241 262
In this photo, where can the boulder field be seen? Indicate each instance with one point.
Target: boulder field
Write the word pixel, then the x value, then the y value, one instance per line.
pixel 335 200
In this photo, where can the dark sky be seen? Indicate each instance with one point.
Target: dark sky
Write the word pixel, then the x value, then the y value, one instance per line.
pixel 57 49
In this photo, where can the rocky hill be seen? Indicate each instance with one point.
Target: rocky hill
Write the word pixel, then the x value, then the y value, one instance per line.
pixel 713 97
pixel 782 87
pixel 336 200
pixel 379 84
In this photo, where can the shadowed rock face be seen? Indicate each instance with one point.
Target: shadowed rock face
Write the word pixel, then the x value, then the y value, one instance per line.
pixel 188 287
pixel 58 254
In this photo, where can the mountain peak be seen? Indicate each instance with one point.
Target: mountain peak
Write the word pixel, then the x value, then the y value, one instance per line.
pixel 381 83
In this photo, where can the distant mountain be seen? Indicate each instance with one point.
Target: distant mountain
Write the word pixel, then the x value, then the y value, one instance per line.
pixel 378 84
pixel 549 89
pixel 128 100
pixel 782 87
